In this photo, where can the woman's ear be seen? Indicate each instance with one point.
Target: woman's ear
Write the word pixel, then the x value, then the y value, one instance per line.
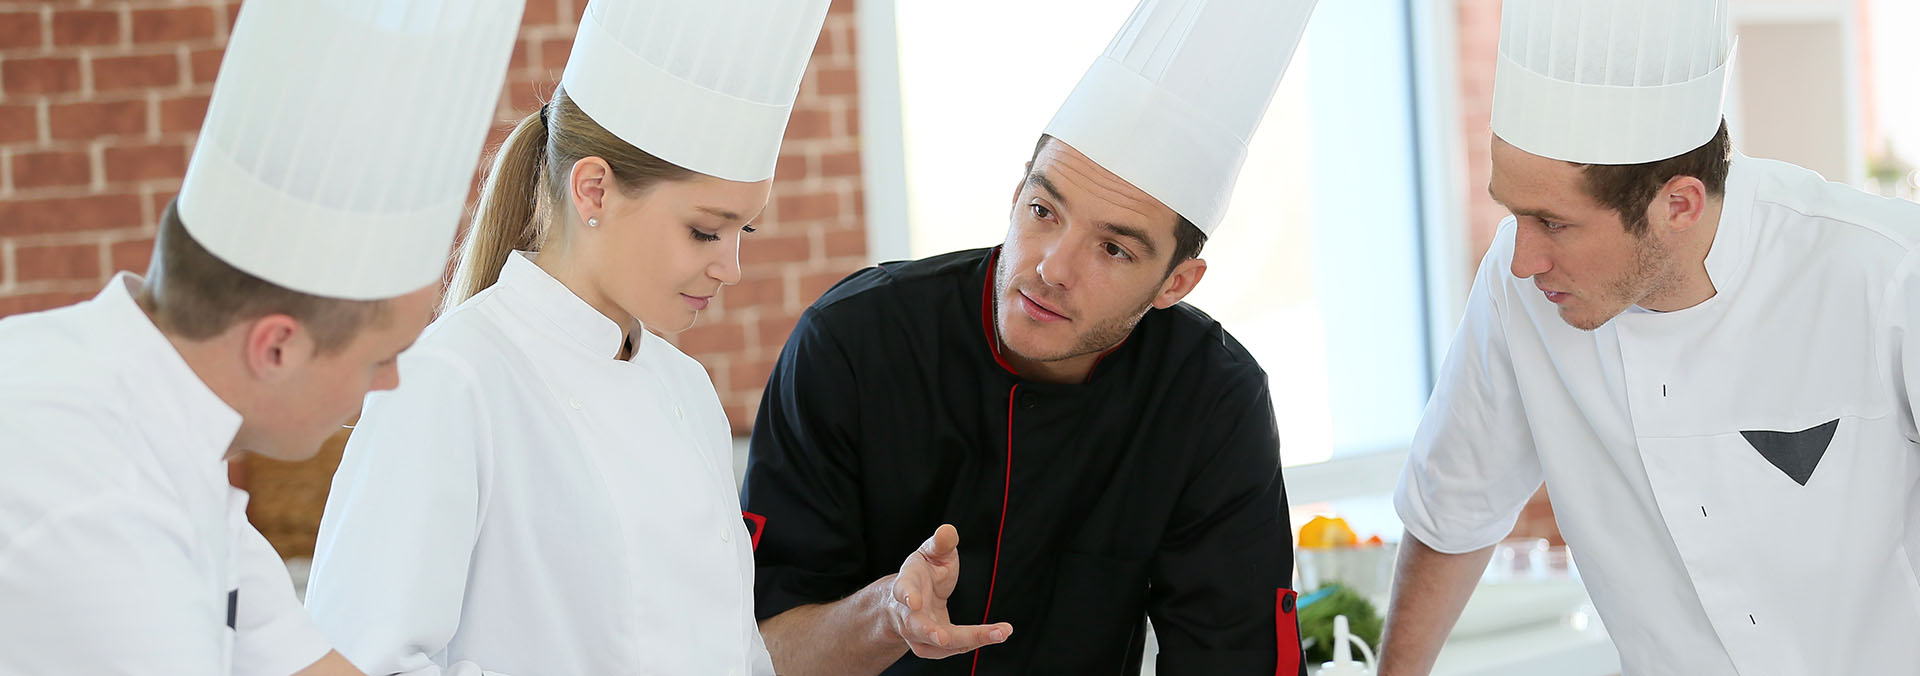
pixel 587 187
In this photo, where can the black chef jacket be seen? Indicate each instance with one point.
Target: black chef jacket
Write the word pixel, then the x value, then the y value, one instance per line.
pixel 1152 489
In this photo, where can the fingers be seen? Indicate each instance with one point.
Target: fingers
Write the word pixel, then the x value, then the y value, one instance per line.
pixel 946 640
pixel 944 540
pixel 913 587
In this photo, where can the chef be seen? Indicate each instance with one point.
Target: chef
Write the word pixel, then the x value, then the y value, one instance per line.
pixel 552 493
pixel 1031 449
pixel 1709 358
pixel 300 257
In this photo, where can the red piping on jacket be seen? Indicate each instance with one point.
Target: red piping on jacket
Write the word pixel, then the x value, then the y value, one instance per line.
pixel 1005 491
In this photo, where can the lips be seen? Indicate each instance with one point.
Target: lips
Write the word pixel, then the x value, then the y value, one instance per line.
pixel 1553 296
pixel 1037 310
pixel 698 303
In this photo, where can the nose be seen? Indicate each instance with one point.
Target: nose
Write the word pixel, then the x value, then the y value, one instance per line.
pixel 1056 267
pixel 727 268
pixel 1529 254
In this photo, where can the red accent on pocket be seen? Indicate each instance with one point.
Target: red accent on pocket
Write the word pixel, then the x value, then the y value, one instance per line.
pixel 755 525
pixel 1286 629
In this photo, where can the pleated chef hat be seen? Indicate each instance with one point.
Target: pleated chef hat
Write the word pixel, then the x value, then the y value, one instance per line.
pixel 1611 81
pixel 706 85
pixel 1172 102
pixel 341 140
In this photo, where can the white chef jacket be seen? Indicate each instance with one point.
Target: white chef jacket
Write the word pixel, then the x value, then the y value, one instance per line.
pixel 123 550
pixel 525 503
pixel 1703 556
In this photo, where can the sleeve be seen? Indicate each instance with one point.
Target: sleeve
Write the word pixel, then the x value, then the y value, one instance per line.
pixel 1899 344
pixel 108 587
pixel 97 576
pixel 273 634
pixel 1219 596
pixel 391 561
pixel 802 486
pixel 1473 464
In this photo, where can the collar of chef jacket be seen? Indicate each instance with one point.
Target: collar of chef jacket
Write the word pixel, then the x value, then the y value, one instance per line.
pixel 193 426
pixel 563 314
pixel 1732 240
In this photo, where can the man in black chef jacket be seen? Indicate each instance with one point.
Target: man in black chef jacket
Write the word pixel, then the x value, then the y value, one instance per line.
pixel 1109 453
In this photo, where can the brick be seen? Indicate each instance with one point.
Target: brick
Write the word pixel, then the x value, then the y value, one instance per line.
pixel 845 242
pixel 144 162
pixel 68 214
pixel 808 123
pixel 233 14
pixel 740 414
pixel 56 262
pixel 51 75
pixel 131 255
pixel 808 206
pixel 790 167
pixel 541 13
pixel 75 27
pixel 158 202
pixel 751 376
pixel 835 81
pixel 849 122
pixel 575 11
pixel 136 72
pixel 183 113
pixel 840 7
pixel 771 331
pixel 813 285
pixel 781 249
pixel 51 168
pixel 553 54
pixel 714 338
pixel 175 24
pixel 19 123
pixel 755 291
pixel 517 61
pixel 20 30
pixel 828 43
pixel 840 164
pixel 205 64
pixel 35 302
pixel 84 121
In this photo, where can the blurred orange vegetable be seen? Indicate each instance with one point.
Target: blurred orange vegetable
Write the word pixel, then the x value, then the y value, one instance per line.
pixel 1327 532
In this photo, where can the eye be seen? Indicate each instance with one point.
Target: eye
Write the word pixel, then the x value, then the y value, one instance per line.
pixel 702 235
pixel 1552 226
pixel 1040 211
pixel 1116 251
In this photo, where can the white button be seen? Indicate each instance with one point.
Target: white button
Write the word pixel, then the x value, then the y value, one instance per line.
pixel 574 402
pixel 677 413
pixel 726 534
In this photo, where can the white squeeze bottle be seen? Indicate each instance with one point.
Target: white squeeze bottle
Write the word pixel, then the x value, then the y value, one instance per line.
pixel 1343 664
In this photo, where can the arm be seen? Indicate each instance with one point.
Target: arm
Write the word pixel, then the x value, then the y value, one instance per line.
pixel 1220 598
pixel 870 630
pixel 331 664
pixel 1429 590
pixel 822 611
pixel 391 561
pixel 273 634
pixel 1471 469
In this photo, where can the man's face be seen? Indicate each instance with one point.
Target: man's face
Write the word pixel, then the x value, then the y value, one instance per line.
pixel 1576 251
pixel 1085 257
pixel 321 392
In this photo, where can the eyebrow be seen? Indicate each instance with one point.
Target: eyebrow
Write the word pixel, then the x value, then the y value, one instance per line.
pixel 1540 213
pixel 1040 181
pixel 722 213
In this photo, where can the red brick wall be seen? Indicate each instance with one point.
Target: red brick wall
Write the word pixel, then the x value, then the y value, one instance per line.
pixel 100 103
pixel 99 106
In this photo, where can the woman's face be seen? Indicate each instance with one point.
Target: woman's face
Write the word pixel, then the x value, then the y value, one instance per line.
pixel 660 255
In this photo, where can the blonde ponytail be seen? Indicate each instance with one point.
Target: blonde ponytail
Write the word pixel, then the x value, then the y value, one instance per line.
pixel 509 214
pixel 528 178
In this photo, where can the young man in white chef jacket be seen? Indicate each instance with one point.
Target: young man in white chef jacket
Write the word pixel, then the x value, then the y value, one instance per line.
pixel 1709 358
pixel 302 255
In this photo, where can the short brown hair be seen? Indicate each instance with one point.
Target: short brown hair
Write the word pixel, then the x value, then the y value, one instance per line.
pixel 1629 188
pixel 195 295
pixel 1188 239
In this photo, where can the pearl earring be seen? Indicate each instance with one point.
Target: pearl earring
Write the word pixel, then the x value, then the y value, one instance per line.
pixel 593 222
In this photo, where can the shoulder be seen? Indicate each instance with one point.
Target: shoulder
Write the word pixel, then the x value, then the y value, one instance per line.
pixel 1821 219
pixel 909 281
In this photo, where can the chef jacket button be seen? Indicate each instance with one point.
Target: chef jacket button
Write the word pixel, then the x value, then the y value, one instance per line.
pixel 677 413
pixel 726 534
pixel 575 403
pixel 1028 401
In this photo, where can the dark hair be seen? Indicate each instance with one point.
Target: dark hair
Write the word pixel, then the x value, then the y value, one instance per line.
pixel 1629 188
pixel 529 179
pixel 1188 239
pixel 196 295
